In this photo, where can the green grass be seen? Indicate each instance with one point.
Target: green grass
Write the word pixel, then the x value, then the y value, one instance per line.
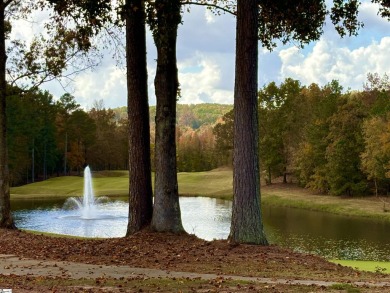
pixel 348 288
pixel 368 266
pixel 106 183
pixel 216 183
pixel 55 187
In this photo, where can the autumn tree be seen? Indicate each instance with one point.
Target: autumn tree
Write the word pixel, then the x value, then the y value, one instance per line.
pixel 6 220
pixel 66 105
pixel 30 134
pixel 283 115
pixel 140 184
pixel 164 19
pixel 376 94
pixel 19 129
pixel 45 143
pixel 247 224
pixel 81 137
pixel 271 145
pixel 104 149
pixel 195 149
pixel 375 158
pixel 223 132
pixel 345 144
pixel 310 160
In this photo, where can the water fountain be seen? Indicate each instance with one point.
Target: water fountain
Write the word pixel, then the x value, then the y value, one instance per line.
pixel 87 204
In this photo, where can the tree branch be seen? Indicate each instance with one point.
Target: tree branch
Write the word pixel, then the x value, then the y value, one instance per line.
pixel 209 5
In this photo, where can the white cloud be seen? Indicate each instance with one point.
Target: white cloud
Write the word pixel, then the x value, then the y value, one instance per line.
pixel 210 17
pixel 327 61
pixel 108 85
pixel 26 28
pixel 201 81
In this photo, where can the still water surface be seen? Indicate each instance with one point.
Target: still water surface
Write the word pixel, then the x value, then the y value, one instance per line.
pixel 328 235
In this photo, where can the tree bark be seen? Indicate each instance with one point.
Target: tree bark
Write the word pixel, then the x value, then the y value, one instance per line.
pixel 6 220
pixel 247 225
pixel 140 182
pixel 166 211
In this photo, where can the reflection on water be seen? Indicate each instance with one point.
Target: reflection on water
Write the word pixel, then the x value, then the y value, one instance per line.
pixel 324 234
pixel 207 218
pixel 112 221
pixel 332 236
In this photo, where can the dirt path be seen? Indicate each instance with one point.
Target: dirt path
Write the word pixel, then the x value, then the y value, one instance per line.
pixel 14 265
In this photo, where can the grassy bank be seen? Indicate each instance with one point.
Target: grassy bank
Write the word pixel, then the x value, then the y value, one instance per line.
pixel 292 196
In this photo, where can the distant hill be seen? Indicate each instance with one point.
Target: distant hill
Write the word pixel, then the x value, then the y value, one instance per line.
pixel 120 113
pixel 194 115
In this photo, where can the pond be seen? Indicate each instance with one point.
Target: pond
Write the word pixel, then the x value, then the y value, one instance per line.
pixel 328 235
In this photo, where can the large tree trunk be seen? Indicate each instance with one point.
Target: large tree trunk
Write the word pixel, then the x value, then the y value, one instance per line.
pixel 6 220
pixel 247 225
pixel 166 212
pixel 140 182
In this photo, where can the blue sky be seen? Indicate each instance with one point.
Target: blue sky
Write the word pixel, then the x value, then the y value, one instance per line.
pixel 205 54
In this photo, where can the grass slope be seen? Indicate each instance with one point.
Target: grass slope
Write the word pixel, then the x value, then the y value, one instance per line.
pixel 215 183
pixel 110 183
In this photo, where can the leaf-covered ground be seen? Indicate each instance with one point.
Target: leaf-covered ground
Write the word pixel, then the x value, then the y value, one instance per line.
pixel 176 253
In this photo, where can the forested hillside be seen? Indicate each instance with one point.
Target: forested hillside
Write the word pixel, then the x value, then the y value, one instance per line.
pixel 194 115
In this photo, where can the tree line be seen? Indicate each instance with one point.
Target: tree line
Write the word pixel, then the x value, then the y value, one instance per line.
pixel 323 138
pixel 49 138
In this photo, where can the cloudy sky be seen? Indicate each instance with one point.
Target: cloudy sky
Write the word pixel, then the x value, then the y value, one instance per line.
pixel 206 61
